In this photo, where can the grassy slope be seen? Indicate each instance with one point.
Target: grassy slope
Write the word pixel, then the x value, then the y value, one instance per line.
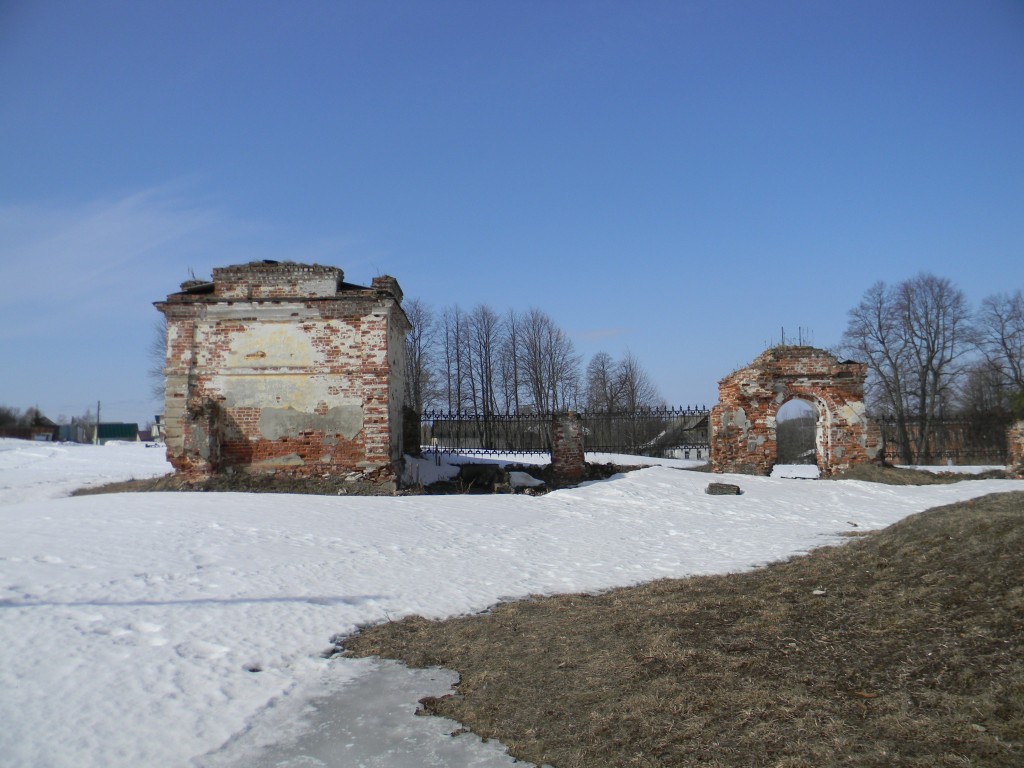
pixel 913 656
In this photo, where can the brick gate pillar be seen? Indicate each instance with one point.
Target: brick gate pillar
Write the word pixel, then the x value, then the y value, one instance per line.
pixel 1015 444
pixel 567 458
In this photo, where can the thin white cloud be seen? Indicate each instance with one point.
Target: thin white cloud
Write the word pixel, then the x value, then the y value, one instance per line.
pixel 105 261
pixel 69 251
pixel 86 261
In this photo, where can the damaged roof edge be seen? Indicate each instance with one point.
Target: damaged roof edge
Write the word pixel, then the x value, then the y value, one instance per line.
pixel 275 279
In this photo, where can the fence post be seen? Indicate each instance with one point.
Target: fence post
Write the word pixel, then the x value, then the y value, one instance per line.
pixel 567 457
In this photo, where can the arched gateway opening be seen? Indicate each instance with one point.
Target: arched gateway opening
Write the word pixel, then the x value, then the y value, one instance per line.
pixel 744 424
pixel 796 431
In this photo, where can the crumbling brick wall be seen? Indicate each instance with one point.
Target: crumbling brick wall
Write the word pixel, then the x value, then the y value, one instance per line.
pixel 283 367
pixel 743 424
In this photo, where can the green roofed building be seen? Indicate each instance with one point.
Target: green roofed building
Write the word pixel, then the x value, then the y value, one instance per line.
pixel 117 431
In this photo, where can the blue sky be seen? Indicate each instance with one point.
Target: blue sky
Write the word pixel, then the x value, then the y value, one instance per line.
pixel 678 179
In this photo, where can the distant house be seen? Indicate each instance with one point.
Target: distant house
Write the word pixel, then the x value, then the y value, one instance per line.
pixel 40 428
pixel 117 431
pixel 85 432
pixel 76 432
pixel 285 368
pixel 154 433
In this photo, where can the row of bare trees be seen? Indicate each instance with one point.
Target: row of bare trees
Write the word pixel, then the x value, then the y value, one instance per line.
pixel 15 417
pixel 619 386
pixel 28 423
pixel 930 356
pixel 487 363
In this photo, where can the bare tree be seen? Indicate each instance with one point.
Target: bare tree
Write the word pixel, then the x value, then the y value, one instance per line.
pixel 983 391
pixel 621 386
pixel 602 383
pixel 491 364
pixel 33 417
pixel 9 417
pixel 637 389
pixel 914 337
pixel 157 354
pixel 619 389
pixel 872 336
pixel 483 330
pixel 1000 335
pixel 937 320
pixel 453 338
pixel 420 378
pixel 509 364
pixel 550 363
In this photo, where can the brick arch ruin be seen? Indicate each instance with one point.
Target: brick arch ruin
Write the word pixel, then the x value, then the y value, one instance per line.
pixel 743 424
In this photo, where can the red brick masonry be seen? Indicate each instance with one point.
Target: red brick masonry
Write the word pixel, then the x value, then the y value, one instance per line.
pixel 278 367
pixel 568 460
pixel 743 437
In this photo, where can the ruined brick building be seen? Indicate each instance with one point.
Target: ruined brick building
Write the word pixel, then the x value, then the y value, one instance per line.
pixel 743 424
pixel 282 367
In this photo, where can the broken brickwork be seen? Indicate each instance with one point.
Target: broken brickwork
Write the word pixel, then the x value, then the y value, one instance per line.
pixel 568 460
pixel 743 437
pixel 281 367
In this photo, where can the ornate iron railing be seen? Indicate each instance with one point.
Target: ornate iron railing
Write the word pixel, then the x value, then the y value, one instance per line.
pixel 681 432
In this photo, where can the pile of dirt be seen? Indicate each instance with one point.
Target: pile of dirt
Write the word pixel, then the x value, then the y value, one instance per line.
pixel 591 471
pixel 241 482
pixel 489 478
pixel 902 647
pixel 165 483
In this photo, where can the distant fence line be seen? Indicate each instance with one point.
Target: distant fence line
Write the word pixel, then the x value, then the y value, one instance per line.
pixel 978 439
pixel 656 432
pixel 682 432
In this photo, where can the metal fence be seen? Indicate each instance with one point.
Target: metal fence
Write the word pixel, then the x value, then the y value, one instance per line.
pixel 979 439
pixel 661 432
pixel 683 433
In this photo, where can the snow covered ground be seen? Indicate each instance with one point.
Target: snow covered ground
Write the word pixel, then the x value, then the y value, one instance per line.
pixel 36 471
pixel 167 629
pixel 963 469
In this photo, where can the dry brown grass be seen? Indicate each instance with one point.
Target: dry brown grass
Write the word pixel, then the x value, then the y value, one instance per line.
pixel 241 483
pixel 900 648
pixel 335 485
pixel 889 475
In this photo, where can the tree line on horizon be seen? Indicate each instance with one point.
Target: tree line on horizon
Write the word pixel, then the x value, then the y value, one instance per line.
pixel 15 417
pixel 477 361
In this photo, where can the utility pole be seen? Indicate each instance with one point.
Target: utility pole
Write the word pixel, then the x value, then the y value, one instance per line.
pixel 96 434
